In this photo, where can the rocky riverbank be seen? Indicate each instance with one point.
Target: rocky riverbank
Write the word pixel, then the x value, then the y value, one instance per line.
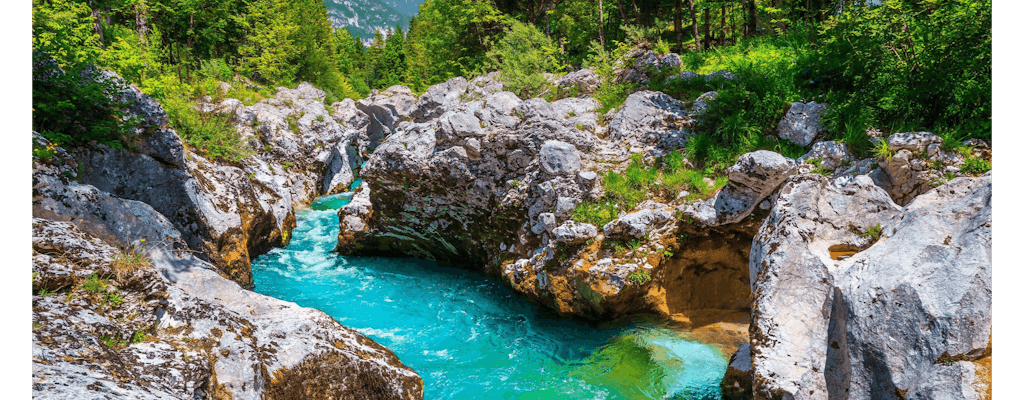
pixel 132 254
pixel 825 274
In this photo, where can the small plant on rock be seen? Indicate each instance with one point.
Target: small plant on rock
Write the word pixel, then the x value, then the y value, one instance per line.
pixel 638 277
pixel 881 150
pixel 873 232
pixel 125 263
pixel 976 166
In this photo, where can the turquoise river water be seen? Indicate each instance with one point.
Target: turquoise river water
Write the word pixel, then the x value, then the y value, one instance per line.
pixel 469 337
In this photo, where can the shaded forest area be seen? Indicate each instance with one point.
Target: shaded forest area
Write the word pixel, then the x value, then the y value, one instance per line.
pixel 893 65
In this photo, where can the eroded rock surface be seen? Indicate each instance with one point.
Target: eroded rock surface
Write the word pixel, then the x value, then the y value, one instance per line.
pixel 801 124
pixel 907 314
pixel 229 212
pixel 176 329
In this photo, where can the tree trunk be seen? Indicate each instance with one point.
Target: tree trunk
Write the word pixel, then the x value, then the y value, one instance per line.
pixel 600 27
pixel 622 11
pixel 98 25
pixel 693 16
pixel 707 28
pixel 721 39
pixel 678 17
pixel 141 21
pixel 752 17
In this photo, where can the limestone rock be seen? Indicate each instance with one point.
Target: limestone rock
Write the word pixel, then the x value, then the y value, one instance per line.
pixel 352 218
pixel 584 80
pixel 879 323
pixel 574 233
pixel 640 60
pixel 791 280
pixel 205 335
pixel 739 376
pixel 921 295
pixel 801 124
pixel 651 118
pixel 637 224
pixel 559 158
pixel 904 176
pixel 916 142
pixel 831 154
pixel 754 176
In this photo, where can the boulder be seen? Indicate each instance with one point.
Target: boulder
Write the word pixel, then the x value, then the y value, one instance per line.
pixel 584 80
pixel 801 124
pixel 203 335
pixel 636 225
pixel 830 154
pixel 916 142
pixel 900 318
pixel 739 376
pixel 791 280
pixel 574 233
pixel 752 179
pixel 914 304
pixel 651 118
pixel 559 158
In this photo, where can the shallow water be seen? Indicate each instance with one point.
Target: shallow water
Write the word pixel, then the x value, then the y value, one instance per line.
pixel 469 337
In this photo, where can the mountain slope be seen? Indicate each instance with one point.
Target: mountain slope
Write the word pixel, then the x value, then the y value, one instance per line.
pixel 407 7
pixel 363 17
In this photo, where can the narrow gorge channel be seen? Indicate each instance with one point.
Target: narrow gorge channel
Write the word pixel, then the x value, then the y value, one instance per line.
pixel 469 337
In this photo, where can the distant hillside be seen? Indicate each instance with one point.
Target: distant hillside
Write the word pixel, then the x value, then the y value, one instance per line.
pixel 363 17
pixel 407 7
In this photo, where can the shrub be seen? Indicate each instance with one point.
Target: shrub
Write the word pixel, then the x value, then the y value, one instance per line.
pixel 638 277
pixel 976 166
pixel 921 64
pixel 522 56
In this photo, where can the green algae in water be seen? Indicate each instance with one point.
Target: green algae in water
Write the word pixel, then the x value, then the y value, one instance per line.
pixel 469 337
pixel 626 365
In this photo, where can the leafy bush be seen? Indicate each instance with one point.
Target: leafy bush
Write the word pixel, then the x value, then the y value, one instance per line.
pixel 976 166
pixel 522 56
pixel 922 65
pixel 638 277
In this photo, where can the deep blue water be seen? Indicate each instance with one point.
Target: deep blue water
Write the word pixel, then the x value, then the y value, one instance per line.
pixel 469 337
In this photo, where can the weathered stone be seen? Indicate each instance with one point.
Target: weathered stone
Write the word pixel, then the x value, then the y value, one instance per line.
pixel 791 278
pixel 651 118
pixel 888 322
pixel 831 155
pixel 800 125
pixel 239 335
pixel 574 233
pixel 754 176
pixel 559 158
pixel 916 142
pixel 637 224
pixel 738 382
pixel 585 81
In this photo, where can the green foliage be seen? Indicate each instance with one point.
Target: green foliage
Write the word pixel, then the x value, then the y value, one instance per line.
pixel 923 64
pixel 881 150
pixel 667 178
pixel 113 299
pixel 817 168
pixel 975 166
pixel 522 56
pixel 94 285
pixel 212 134
pixel 638 277
pixel 138 337
pixel 873 232
pixel 113 342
